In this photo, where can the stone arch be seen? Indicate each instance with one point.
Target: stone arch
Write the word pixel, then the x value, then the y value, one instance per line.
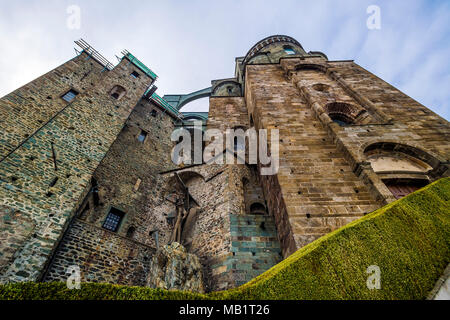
pixel 178 101
pixel 344 113
pixel 194 117
pixel 252 193
pixel 318 53
pixel 260 57
pixel 260 45
pixel 415 151
pixel 402 168
pixel 311 67
pixel 188 175
pixel 258 208
pixel 222 89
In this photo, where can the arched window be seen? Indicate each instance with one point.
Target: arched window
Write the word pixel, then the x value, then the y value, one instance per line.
pixel 340 119
pixel 258 208
pixel 403 169
pixel 289 50
pixel 118 92
pixel 342 113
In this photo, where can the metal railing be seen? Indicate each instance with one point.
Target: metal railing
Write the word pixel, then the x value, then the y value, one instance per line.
pixel 94 54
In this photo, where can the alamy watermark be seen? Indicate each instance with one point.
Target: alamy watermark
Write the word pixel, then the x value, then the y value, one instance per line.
pixel 374 19
pixel 73 21
pixel 374 280
pixel 250 146
pixel 74 279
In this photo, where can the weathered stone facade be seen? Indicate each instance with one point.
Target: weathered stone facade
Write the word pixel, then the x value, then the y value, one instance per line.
pixel 173 268
pixel 91 182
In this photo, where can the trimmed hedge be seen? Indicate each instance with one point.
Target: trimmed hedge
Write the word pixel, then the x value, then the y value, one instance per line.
pixel 409 240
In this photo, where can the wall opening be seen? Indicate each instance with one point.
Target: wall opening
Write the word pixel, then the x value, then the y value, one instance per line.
pixel 142 136
pixel 130 232
pixel 118 92
pixel 70 95
pixel 257 209
pixel 289 50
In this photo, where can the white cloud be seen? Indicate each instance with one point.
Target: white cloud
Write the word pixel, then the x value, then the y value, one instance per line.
pixel 190 43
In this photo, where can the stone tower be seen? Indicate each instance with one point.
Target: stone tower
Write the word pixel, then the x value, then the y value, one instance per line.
pixel 86 176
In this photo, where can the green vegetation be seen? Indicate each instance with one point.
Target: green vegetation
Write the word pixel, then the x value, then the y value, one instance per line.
pixel 409 240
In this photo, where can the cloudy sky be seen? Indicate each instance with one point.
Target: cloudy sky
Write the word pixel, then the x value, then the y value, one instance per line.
pixel 190 43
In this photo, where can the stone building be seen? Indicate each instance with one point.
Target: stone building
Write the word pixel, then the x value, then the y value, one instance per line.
pixel 87 180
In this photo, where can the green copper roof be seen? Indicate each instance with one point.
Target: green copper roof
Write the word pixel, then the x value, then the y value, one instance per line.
pixel 140 65
pixel 164 104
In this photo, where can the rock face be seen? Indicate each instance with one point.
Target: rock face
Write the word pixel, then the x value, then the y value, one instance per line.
pixel 173 268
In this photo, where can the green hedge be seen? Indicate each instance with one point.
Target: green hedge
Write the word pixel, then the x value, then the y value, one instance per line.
pixel 409 240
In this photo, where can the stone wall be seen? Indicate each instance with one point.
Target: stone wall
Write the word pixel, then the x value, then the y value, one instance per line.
pixel 325 179
pixel 127 179
pixel 46 168
pixel 101 255
pixel 255 247
pixel 317 186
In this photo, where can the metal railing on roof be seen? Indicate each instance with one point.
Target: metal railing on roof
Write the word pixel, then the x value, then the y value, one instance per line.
pixel 94 54
pixel 140 65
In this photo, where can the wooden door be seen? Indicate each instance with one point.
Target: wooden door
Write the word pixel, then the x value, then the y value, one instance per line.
pixel 402 189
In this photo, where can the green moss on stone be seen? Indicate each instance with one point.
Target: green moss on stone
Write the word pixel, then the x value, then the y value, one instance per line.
pixel 409 240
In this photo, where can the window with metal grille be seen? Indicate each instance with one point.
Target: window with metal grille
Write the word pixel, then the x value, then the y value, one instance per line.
pixel 142 136
pixel 70 95
pixel 113 219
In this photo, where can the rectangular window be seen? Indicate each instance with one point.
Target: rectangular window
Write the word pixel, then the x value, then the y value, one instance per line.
pixel 135 75
pixel 70 95
pixel 142 136
pixel 113 220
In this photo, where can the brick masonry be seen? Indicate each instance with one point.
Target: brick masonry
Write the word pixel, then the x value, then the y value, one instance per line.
pixel 344 135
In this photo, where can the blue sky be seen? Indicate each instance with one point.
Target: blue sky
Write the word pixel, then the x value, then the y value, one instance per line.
pixel 190 43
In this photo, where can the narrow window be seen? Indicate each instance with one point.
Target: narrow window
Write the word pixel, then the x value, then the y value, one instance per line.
pixel 154 113
pixel 70 95
pixel 135 75
pixel 142 136
pixel 289 50
pixel 130 232
pixel 118 92
pixel 340 119
pixel 113 220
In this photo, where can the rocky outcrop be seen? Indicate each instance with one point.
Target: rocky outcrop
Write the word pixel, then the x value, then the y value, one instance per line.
pixel 173 268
